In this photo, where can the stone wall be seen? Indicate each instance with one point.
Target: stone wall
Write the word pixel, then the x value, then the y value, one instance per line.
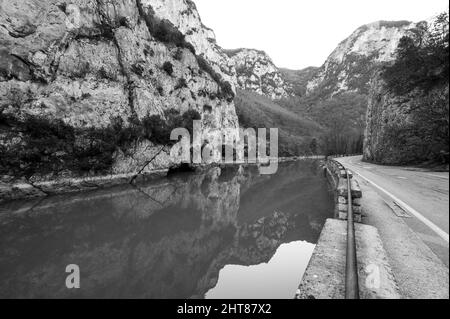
pixel 337 175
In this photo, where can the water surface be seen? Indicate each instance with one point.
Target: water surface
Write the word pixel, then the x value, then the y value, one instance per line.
pixel 222 233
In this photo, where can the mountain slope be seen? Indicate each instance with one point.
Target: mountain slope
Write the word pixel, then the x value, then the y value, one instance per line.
pixel 295 132
pixel 351 65
pixel 256 72
pixel 299 79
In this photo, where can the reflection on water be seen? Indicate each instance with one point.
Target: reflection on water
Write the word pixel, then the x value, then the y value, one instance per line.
pixel 178 237
pixel 277 279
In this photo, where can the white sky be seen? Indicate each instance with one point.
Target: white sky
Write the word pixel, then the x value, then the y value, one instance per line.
pixel 301 33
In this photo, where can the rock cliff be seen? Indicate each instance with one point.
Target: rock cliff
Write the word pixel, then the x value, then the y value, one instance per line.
pixel 351 65
pixel 407 116
pixel 256 72
pixel 383 110
pixel 86 67
pixel 406 129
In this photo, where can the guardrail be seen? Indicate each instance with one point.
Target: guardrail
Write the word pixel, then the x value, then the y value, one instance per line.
pixel 351 271
pixel 351 274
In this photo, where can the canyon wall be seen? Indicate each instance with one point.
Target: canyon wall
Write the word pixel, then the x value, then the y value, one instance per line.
pixel 99 77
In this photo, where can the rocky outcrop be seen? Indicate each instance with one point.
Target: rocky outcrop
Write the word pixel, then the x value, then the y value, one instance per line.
pixel 93 63
pixel 407 117
pixel 383 110
pixel 256 72
pixel 395 134
pixel 352 64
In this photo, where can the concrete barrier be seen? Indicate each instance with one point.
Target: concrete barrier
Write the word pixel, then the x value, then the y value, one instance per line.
pixel 337 175
pixel 325 275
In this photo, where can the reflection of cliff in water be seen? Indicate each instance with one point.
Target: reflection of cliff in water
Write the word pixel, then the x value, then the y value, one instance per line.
pixel 167 239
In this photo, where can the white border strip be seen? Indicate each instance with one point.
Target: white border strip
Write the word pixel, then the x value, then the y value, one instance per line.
pixel 410 210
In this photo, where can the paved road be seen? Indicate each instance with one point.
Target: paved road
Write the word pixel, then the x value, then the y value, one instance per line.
pixel 424 194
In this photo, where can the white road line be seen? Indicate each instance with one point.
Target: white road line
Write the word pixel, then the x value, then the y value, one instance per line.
pixel 410 210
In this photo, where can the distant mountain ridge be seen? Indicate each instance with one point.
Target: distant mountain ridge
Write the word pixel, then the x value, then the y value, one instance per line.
pixel 299 79
pixel 350 66
pixel 256 72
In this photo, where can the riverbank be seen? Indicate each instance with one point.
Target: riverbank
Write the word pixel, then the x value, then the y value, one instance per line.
pixel 25 189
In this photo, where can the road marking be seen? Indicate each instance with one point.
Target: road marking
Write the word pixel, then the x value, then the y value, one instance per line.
pixel 410 210
pixel 396 208
pixel 401 177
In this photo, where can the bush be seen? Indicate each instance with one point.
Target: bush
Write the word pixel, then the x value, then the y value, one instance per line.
pixel 123 22
pixel 168 67
pixel 225 89
pixel 158 130
pixel 82 71
pixel 423 60
pixel 103 74
pixel 165 31
pixel 181 84
pixel 49 146
pixel 188 118
pixel 178 55
pixel 137 69
pixel 45 145
pixel 420 74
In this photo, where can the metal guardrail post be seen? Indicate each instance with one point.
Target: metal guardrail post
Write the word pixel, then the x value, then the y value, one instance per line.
pixel 351 276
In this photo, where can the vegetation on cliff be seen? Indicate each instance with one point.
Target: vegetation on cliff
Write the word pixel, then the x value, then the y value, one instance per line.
pixel 41 146
pixel 420 74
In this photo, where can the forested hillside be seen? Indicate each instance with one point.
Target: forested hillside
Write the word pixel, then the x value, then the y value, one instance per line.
pixel 297 135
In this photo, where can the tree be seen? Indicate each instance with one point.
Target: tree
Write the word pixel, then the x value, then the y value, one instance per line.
pixel 422 59
pixel 313 146
pixel 421 74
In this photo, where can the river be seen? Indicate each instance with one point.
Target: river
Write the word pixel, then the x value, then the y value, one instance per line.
pixel 222 233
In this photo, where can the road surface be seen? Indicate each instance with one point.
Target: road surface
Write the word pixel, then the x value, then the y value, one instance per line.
pixel 424 195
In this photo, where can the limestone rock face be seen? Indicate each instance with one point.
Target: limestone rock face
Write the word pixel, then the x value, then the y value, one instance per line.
pixel 351 65
pixel 384 109
pixel 184 15
pixel 87 62
pixel 386 112
pixel 256 72
pixel 400 128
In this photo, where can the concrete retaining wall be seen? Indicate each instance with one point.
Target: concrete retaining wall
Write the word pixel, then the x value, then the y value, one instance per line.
pixel 337 175
pixel 324 277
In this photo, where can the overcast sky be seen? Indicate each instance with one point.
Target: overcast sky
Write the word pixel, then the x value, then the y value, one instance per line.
pixel 301 33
